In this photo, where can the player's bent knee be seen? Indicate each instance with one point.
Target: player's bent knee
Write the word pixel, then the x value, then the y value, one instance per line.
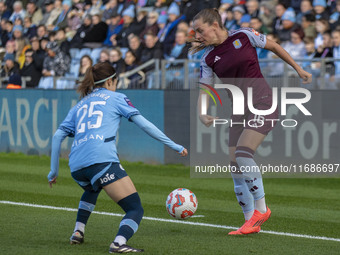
pixel 243 152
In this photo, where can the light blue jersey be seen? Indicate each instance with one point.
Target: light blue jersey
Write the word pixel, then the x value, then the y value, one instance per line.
pixel 94 123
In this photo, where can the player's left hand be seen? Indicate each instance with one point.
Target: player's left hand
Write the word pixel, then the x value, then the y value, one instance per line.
pixel 183 153
pixel 207 120
pixel 53 181
pixel 305 76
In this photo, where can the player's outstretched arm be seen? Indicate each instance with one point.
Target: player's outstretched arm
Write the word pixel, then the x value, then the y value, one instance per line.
pixel 284 55
pixel 58 138
pixel 155 133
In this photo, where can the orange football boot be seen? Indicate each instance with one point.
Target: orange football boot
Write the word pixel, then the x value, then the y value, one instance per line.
pixel 253 225
pixel 238 231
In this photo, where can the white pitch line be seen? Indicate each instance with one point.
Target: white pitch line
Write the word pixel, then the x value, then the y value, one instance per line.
pixel 172 221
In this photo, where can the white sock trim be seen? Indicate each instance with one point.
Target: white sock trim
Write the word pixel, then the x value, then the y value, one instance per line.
pixel 248 215
pixel 260 205
pixel 79 226
pixel 120 240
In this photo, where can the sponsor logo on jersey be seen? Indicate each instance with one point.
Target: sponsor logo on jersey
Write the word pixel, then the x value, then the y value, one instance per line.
pixel 129 102
pixel 217 58
pixel 237 44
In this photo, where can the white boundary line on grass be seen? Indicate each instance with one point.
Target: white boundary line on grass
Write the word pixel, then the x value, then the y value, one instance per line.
pixel 171 221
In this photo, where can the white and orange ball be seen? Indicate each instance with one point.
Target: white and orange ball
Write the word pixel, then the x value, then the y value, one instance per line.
pixel 181 203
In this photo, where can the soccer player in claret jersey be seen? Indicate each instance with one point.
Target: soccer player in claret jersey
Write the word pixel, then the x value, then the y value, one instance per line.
pixel 232 54
pixel 93 160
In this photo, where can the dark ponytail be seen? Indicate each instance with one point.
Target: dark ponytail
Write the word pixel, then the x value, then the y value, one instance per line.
pixel 93 74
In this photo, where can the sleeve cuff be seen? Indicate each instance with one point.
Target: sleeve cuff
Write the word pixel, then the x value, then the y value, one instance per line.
pixel 132 114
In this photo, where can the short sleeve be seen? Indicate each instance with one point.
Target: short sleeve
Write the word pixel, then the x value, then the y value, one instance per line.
pixel 68 125
pixel 125 107
pixel 257 40
pixel 206 73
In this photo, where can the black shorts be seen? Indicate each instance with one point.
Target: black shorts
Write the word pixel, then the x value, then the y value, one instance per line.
pixel 96 176
pixel 261 124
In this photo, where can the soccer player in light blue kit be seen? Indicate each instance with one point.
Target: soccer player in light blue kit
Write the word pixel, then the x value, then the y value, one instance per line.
pixel 94 161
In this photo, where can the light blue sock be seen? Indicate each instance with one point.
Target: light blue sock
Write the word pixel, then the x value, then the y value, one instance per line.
pixel 250 170
pixel 243 195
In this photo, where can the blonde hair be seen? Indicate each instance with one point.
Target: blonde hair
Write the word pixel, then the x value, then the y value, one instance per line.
pixel 117 49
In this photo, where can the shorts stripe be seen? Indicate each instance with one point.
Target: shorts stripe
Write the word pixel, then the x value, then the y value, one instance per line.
pixel 131 223
pixel 83 183
pixel 98 175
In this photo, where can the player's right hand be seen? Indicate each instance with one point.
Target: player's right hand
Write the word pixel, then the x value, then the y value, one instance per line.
pixel 305 76
pixel 207 120
pixel 53 181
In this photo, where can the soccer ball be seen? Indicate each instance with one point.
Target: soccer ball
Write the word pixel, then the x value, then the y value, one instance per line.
pixel 181 204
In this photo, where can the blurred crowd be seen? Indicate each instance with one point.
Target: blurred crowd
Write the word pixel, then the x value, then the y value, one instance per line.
pixel 43 39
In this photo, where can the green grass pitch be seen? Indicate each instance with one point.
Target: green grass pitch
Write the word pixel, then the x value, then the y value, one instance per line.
pixel 300 206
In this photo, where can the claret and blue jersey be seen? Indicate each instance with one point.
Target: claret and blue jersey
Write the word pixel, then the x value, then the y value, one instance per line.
pixel 235 61
pixel 236 57
pixel 94 123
